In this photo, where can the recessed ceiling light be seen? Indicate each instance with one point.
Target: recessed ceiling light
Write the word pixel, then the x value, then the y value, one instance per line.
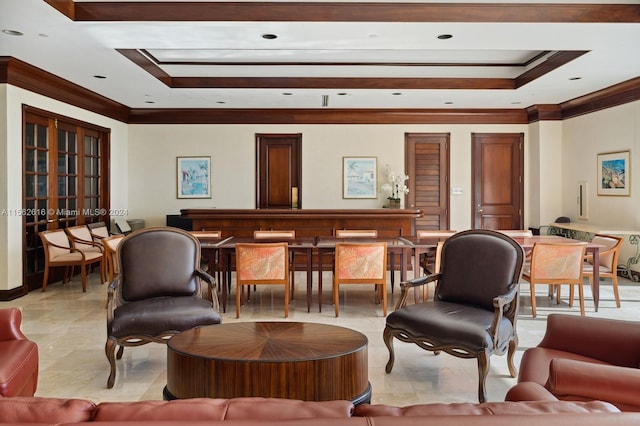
pixel 516 103
pixel 149 102
pixel 448 103
pixel 575 78
pixel 43 35
pixel 397 93
pixel 444 36
pixel 12 32
pixel 287 93
pixel 269 36
pixel 221 102
pixel 100 76
pixel 342 94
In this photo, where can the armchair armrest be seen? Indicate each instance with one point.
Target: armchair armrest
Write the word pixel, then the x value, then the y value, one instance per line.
pixel 211 292
pixel 568 377
pixel 405 286
pixel 618 341
pixel 86 242
pixel 10 321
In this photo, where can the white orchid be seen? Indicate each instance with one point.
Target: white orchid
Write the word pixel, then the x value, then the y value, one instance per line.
pixel 395 184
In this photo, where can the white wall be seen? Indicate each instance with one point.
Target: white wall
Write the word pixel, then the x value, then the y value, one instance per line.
pixel 584 137
pixel 11 99
pixel 153 150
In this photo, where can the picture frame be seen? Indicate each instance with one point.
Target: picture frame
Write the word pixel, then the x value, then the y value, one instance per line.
pixel 614 173
pixel 359 177
pixel 193 177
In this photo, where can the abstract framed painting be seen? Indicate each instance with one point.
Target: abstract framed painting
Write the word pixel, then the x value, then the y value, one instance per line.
pixel 194 177
pixel 614 173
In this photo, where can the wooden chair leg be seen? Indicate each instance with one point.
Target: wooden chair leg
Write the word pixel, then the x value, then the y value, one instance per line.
pixel 614 283
pixel 532 290
pixel 483 371
pixel 83 277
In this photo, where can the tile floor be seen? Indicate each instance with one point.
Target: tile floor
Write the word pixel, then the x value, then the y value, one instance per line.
pixel 69 327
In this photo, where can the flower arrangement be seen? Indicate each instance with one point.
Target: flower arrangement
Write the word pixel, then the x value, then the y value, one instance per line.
pixel 395 185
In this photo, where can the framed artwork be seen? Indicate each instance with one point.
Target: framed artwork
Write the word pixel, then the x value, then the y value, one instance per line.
pixel 614 173
pixel 359 177
pixel 194 177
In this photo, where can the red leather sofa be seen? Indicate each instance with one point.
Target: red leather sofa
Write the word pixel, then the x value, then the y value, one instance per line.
pixel 18 357
pixel 283 412
pixel 584 359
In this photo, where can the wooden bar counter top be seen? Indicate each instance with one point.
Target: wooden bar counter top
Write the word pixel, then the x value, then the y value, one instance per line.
pixel 306 361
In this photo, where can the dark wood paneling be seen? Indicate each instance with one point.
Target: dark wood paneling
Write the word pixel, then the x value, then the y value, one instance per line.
pixel 28 77
pixel 14 293
pixel 307 223
pixel 354 12
pixel 544 112
pixel 328 116
pixel 619 94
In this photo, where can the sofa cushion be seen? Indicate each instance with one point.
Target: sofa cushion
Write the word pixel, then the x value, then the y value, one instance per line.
pixel 18 368
pixel 45 410
pixel 487 408
pixel 221 409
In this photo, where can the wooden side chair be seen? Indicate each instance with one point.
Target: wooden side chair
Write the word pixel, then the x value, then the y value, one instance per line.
pixel 212 260
pixel 82 240
pixel 556 264
pixel 517 233
pixel 98 230
pixel 361 263
pixel 430 256
pixel 262 263
pixel 356 233
pixel 59 252
pixel 273 235
pixel 608 261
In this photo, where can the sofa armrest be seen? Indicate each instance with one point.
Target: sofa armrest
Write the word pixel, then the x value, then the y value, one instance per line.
pixel 618 342
pixel 585 380
pixel 529 391
pixel 10 321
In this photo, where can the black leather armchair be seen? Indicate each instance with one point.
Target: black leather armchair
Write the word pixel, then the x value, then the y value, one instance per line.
pixel 473 314
pixel 157 292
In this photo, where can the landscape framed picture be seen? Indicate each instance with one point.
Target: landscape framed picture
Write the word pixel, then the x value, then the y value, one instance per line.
pixel 194 177
pixel 359 177
pixel 614 173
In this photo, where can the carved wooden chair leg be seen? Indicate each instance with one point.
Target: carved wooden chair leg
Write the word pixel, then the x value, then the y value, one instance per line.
pixel 120 352
pixel 387 336
pixel 110 349
pixel 483 370
pixel 513 346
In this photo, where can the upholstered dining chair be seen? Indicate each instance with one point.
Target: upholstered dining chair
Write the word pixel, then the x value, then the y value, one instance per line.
pixel 82 240
pixel 517 233
pixel 356 233
pixel 112 265
pixel 361 263
pixel 556 264
pixel 474 310
pixel 158 291
pixel 273 235
pixel 59 252
pixel 608 261
pixel 262 263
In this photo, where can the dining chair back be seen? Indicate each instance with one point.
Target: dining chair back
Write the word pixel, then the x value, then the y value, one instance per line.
pixel 273 234
pixel 608 261
pixel 556 264
pixel 262 263
pixel 517 233
pixel 361 263
pixel 356 233
pixel 112 264
pixel 427 260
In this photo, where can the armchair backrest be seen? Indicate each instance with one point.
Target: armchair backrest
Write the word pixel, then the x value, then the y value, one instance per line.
pixel 478 265
pixel 55 242
pixel 157 262
pixel 80 236
pixel 98 230
pixel 609 253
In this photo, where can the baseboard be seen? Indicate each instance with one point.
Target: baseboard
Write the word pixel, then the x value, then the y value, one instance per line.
pixel 14 293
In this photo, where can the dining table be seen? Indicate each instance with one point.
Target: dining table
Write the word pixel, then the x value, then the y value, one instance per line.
pixel 395 245
pixel 227 249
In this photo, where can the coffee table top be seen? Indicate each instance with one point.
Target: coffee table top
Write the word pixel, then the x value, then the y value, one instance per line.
pixel 268 341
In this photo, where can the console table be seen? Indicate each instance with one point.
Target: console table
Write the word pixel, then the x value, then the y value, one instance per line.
pixel 583 231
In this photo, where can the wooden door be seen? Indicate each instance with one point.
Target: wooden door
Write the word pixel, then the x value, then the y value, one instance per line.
pixel 498 187
pixel 427 164
pixel 278 171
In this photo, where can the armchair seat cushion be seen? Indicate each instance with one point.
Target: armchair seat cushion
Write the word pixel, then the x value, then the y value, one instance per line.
pixel 145 317
pixel 448 324
pixel 19 368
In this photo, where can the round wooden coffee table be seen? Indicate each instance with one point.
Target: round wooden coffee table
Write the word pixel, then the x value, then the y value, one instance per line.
pixel 306 361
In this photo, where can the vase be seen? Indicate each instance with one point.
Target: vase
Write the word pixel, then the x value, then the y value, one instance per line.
pixel 394 203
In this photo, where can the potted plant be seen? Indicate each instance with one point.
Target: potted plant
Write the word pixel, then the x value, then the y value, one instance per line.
pixel 396 187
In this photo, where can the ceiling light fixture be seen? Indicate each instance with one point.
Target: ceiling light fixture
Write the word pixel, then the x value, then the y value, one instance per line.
pixel 575 78
pixel 149 102
pixel 100 76
pixel 444 36
pixel 448 103
pixel 287 93
pixel 342 94
pixel 397 93
pixel 269 36
pixel 12 32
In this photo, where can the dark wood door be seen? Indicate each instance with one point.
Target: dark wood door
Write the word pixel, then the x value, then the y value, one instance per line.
pixel 427 164
pixel 278 171
pixel 498 188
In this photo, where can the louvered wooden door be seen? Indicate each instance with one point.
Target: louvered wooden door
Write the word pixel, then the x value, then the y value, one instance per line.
pixel 427 164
